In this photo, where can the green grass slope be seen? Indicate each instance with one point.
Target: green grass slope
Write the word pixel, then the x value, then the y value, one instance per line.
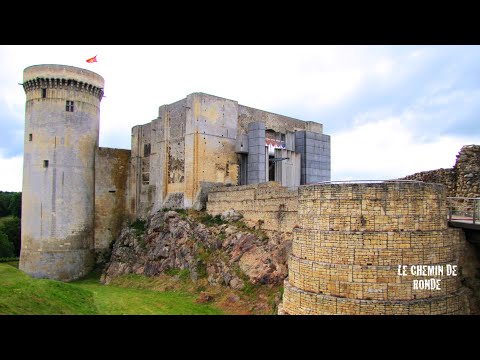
pixel 20 294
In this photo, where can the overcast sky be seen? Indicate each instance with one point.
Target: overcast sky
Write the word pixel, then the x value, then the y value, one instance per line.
pixel 390 110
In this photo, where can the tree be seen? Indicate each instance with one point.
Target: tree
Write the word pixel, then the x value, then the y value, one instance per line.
pixel 15 206
pixel 11 228
pixel 4 203
pixel 6 247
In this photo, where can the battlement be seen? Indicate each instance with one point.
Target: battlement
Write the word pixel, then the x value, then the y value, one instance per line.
pixel 63 72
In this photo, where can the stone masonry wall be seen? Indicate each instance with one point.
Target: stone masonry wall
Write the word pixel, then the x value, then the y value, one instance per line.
pixel 268 206
pixel 111 171
pixel 467 171
pixel 463 180
pixel 351 239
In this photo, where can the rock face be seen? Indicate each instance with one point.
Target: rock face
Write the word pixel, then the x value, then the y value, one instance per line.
pixel 463 180
pixel 225 254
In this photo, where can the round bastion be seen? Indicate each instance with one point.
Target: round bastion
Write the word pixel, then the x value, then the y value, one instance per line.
pixel 351 240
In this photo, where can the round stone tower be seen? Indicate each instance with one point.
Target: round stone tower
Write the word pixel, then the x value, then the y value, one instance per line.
pixel 353 238
pixel 61 137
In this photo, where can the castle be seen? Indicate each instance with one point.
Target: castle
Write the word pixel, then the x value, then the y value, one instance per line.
pixel 76 195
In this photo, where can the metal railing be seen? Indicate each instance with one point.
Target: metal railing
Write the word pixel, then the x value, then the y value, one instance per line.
pixel 377 181
pixel 463 209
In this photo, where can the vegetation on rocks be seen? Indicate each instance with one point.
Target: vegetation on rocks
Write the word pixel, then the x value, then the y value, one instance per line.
pixel 214 252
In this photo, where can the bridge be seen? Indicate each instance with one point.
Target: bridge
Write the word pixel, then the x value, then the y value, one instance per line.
pixel 464 213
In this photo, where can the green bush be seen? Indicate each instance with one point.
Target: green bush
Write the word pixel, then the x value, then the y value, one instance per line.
pixel 7 249
pixel 139 226
pixel 11 228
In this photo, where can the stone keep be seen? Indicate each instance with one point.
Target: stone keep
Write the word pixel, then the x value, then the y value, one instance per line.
pixel 61 137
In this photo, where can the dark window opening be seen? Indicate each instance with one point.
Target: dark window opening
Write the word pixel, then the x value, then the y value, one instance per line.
pixel 146 149
pixel 69 106
pixel 271 168
pixel 30 137
pixel 45 163
pixel 44 93
pixel 112 191
pixel 146 178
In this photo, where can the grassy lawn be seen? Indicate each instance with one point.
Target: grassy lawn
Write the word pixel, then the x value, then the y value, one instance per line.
pixel 111 299
pixel 20 294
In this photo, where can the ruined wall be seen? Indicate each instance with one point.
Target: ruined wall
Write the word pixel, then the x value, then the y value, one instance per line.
pixel 111 171
pixel 271 204
pixel 463 180
pixel 440 176
pixel 467 171
pixel 140 192
pixel 276 122
pixel 351 239
pixel 62 115
pixel 171 147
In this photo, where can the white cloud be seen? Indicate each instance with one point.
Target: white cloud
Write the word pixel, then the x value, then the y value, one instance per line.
pixel 12 172
pixel 384 141
pixel 387 149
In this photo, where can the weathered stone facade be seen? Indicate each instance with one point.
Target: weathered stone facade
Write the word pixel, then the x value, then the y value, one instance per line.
pixel 205 140
pixel 352 238
pixel 463 180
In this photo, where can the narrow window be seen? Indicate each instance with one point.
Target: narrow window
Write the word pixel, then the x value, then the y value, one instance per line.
pixel 69 106
pixel 30 137
pixel 147 149
pixel 44 93
pixel 45 163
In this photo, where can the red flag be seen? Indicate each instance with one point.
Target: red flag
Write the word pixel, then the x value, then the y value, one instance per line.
pixel 92 60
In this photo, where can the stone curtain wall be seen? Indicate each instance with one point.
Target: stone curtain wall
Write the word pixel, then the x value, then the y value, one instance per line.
pixel 111 171
pixel 351 239
pixel 463 180
pixel 268 206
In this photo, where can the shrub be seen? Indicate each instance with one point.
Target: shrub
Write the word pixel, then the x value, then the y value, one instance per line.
pixel 210 220
pixel 139 226
pixel 11 228
pixel 7 249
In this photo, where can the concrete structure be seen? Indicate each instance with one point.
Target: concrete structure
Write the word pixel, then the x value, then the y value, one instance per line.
pixel 77 196
pixel 351 239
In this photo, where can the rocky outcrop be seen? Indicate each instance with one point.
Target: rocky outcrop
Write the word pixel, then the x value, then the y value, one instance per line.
pixel 463 180
pixel 226 254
